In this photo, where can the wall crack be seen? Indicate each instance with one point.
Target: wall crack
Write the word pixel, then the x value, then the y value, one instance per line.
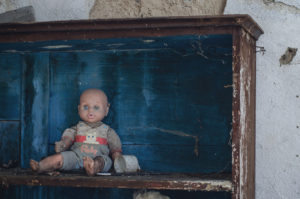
pixel 174 132
pixel 292 8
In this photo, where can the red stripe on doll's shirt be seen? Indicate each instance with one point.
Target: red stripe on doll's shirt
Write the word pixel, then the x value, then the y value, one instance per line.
pixel 82 138
pixel 102 141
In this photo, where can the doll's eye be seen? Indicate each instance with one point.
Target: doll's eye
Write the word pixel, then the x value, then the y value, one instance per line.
pixel 96 107
pixel 85 107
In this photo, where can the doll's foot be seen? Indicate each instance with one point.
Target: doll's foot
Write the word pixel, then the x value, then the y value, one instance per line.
pixel 34 165
pixel 93 166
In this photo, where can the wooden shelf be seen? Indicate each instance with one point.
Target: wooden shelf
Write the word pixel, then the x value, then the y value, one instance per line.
pixel 183 95
pixel 205 182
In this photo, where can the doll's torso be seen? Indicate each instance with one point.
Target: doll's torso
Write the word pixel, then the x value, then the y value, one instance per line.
pixel 90 141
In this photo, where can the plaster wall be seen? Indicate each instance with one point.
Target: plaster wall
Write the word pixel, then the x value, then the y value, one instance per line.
pixel 52 10
pixel 278 93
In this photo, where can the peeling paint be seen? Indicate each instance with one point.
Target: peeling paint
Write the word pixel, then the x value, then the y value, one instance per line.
pixel 57 47
pixel 148 40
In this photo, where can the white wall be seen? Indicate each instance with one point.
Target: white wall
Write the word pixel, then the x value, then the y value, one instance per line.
pixel 278 107
pixel 278 87
pixel 52 10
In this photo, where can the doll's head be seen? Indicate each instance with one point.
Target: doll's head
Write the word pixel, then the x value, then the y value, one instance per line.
pixel 93 106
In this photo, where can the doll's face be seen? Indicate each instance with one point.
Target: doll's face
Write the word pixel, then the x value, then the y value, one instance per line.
pixel 93 105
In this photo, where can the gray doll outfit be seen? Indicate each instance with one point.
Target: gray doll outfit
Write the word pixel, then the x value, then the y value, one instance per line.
pixel 92 140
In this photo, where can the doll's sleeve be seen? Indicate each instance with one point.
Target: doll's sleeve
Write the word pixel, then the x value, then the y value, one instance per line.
pixel 114 142
pixel 70 132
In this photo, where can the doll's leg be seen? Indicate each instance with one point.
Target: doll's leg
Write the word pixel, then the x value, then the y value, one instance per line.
pixel 93 166
pixel 50 163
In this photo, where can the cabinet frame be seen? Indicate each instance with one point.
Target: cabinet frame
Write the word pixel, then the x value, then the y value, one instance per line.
pixel 245 32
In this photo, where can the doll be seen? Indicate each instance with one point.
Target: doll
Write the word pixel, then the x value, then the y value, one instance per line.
pixel 91 142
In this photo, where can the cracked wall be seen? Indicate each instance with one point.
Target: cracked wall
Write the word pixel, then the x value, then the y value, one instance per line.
pixel 56 10
pixel 146 8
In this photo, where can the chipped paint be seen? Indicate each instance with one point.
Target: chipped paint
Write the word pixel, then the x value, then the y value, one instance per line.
pixel 243 163
pixel 148 40
pixel 57 47
pixel 209 185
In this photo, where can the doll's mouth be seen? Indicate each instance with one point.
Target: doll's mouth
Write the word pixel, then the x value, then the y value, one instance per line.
pixel 91 116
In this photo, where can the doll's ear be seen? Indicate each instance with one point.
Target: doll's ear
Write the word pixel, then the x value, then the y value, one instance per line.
pixel 107 109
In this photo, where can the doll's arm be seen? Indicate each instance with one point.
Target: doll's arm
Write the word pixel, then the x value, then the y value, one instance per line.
pixel 63 145
pixel 114 144
pixel 66 141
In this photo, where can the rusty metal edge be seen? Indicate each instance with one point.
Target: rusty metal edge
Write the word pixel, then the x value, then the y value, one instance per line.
pixel 102 27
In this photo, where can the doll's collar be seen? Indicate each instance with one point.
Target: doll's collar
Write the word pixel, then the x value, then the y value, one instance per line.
pixel 93 124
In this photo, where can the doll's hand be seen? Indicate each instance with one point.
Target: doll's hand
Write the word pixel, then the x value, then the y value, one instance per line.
pixel 60 146
pixel 116 155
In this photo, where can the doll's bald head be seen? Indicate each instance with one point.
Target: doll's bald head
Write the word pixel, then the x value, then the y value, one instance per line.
pixel 93 105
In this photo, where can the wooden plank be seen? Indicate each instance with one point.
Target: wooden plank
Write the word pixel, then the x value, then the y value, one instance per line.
pixel 162 100
pixel 96 193
pixel 24 14
pixel 116 28
pixel 247 116
pixel 236 67
pixel 243 138
pixel 10 86
pixel 9 142
pixel 180 158
pixel 152 84
pixel 35 104
pixel 207 182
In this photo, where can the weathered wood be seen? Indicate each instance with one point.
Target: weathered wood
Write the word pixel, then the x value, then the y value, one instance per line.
pixel 247 58
pixel 163 100
pixel 35 105
pixel 157 85
pixel 9 143
pixel 10 86
pixel 25 14
pixel 207 182
pixel 116 28
pixel 243 137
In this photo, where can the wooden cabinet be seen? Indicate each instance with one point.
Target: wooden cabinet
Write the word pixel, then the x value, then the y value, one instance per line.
pixel 182 94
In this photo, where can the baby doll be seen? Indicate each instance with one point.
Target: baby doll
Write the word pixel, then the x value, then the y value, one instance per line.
pixel 91 141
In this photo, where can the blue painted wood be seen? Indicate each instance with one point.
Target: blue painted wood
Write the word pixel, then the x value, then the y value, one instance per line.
pixel 159 98
pixel 181 158
pixel 10 86
pixel 9 141
pixel 32 192
pixel 164 92
pixel 118 44
pixel 35 104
